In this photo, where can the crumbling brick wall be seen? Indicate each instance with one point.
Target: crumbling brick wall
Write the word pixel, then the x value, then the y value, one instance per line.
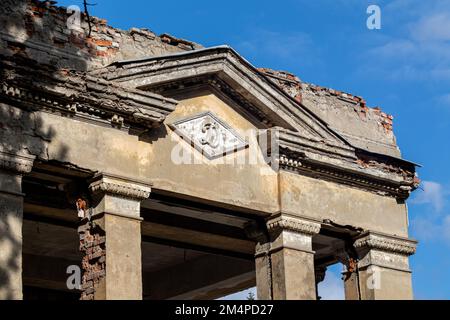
pixel 93 247
pixel 38 30
pixel 365 127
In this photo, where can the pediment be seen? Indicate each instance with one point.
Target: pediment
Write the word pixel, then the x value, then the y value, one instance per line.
pixel 227 72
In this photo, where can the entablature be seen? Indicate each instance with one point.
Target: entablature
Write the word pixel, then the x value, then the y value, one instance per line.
pixel 345 165
pixel 75 94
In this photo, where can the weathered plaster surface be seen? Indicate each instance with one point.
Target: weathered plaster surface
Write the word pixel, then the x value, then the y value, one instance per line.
pixel 252 186
pixel 304 196
pixel 338 159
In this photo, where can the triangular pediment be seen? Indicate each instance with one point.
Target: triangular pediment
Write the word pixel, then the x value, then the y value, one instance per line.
pixel 298 139
pixel 226 71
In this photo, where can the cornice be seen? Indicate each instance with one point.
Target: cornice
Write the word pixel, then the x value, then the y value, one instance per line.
pixel 372 183
pixel 342 164
pixel 76 94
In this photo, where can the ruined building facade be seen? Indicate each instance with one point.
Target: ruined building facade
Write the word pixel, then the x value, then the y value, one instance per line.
pixel 163 170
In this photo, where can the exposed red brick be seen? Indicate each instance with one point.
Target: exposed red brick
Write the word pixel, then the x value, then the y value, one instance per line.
pixel 78 40
pixel 93 263
pixel 101 53
pixel 103 43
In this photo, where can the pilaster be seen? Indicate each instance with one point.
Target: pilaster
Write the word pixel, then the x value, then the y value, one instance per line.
pixel 383 268
pixel 111 240
pixel 12 168
pixel 285 261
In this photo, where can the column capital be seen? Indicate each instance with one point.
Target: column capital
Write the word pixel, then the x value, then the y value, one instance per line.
pixel 20 164
pixel 285 222
pixel 387 243
pixel 291 232
pixel 118 186
pixel 376 249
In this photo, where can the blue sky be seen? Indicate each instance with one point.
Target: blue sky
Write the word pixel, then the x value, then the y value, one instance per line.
pixel 404 68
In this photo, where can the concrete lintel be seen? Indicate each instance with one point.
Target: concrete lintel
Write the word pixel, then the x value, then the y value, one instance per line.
pixel 46 272
pixel 208 277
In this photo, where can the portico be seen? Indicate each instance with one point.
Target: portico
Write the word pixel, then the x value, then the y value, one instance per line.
pixel 200 176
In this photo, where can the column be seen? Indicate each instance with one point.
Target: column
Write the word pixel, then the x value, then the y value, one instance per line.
pixel 111 240
pixel 259 234
pixel 383 268
pixel 12 167
pixel 285 263
pixel 351 285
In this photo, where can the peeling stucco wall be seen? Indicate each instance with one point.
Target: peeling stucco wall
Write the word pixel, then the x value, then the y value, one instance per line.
pixel 319 199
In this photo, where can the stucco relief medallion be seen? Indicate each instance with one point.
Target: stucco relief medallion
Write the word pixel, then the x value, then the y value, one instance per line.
pixel 209 135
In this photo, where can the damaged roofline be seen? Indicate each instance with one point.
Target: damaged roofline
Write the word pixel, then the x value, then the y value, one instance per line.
pixel 179 54
pixel 404 161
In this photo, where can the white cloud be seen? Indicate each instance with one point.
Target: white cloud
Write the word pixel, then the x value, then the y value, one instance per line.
pixel 425 229
pixel 435 27
pixel 432 193
pixel 416 8
pixel 432 225
pixel 433 230
pixel 419 47
pixel 446 228
pixel 444 99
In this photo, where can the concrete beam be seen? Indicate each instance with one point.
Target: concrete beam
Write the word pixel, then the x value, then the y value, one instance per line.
pixel 208 277
pixel 46 272
pixel 195 237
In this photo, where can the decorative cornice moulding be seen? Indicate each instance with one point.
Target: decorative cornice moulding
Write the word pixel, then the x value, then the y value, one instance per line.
pixel 386 243
pixel 84 96
pixel 349 176
pixel 290 223
pixel 119 187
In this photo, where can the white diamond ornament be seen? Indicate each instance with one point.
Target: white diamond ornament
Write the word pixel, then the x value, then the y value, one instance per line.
pixel 209 135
